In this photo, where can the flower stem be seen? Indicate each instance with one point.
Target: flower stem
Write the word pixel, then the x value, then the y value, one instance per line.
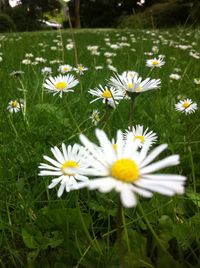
pixel 133 96
pixel 119 219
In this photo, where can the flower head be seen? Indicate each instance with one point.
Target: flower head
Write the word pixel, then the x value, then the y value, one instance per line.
pixel 60 84
pixel 127 170
pixel 186 106
pixel 153 63
pixel 133 84
pixel 95 117
pixel 144 136
pixel 65 68
pixel 14 106
pixel 68 166
pixel 111 96
pixel 46 70
pixel 80 69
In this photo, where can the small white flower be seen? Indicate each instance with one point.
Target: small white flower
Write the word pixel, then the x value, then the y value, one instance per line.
pixel 68 166
pixel 175 76
pixel 153 63
pixel 60 84
pixel 186 106
pixel 144 136
pixel 65 68
pixel 95 117
pixel 15 106
pixel 110 96
pixel 46 70
pixel 128 171
pixel 80 69
pixel 26 61
pixel 197 81
pixel 70 46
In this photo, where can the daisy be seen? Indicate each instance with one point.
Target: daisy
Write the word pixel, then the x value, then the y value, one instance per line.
pixel 134 84
pixel 15 106
pixel 144 136
pixel 197 81
pixel 175 76
pixel 68 166
pixel 80 69
pixel 129 171
pixel 46 70
pixel 65 68
pixel 60 84
pixel 95 117
pixel 110 96
pixel 186 106
pixel 152 63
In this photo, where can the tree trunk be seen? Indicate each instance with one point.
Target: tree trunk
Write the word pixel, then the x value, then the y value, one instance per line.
pixel 77 14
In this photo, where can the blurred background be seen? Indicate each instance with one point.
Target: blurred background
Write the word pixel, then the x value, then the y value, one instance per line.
pixel 31 15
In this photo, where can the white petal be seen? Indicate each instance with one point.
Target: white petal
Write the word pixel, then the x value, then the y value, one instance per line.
pixel 128 198
pixel 153 154
pixel 52 161
pixel 166 162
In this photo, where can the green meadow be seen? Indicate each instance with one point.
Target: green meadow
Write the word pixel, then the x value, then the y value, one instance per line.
pixel 80 228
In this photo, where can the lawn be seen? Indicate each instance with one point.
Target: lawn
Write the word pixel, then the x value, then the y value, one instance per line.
pixel 88 228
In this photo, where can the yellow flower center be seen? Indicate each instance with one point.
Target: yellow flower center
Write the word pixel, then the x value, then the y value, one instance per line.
pixel 80 68
pixel 140 138
pixel 68 164
pixel 125 170
pixel 60 85
pixel 130 85
pixel 155 62
pixel 139 88
pixel 186 104
pixel 66 69
pixel 107 94
pixel 14 104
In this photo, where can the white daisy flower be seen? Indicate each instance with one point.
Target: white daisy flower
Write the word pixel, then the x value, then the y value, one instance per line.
pixel 15 106
pixel 110 96
pixel 68 166
pixel 175 76
pixel 134 84
pixel 95 117
pixel 152 63
pixel 144 136
pixel 65 68
pixel 70 46
pixel 80 69
pixel 197 81
pixel 129 171
pixel 186 106
pixel 46 70
pixel 60 84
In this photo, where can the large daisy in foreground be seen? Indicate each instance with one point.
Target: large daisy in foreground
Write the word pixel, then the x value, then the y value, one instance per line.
pixel 68 166
pixel 60 84
pixel 128 171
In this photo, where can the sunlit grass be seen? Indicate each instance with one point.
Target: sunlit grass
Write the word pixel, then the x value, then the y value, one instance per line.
pixel 79 229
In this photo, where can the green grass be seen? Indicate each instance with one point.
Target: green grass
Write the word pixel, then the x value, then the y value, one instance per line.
pixel 79 229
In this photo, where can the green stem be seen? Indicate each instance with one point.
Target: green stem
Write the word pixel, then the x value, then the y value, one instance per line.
pixel 119 218
pixel 133 96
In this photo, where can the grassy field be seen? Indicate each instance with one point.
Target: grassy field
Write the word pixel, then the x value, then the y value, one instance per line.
pixel 79 229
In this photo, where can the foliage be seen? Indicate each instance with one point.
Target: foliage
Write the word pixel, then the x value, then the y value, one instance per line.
pixel 6 23
pixel 160 15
